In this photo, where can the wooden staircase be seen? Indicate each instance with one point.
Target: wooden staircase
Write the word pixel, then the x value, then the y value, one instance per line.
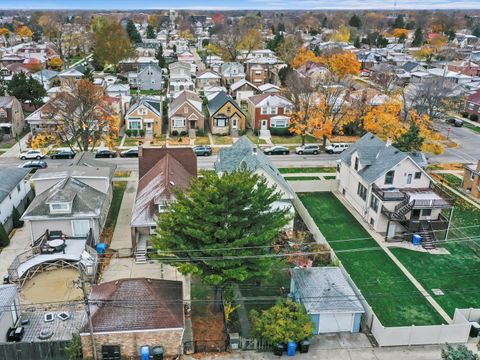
pixel 428 236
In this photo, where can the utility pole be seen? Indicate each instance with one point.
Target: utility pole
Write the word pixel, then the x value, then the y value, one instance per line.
pixel 87 309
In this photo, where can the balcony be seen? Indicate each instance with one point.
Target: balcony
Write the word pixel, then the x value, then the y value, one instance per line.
pixel 389 194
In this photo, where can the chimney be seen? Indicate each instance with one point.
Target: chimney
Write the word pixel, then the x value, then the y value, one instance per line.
pixel 388 142
pixel 478 166
pixel 254 150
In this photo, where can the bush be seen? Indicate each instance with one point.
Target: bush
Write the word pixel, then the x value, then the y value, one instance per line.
pixel 128 132
pixel 201 132
pixel 256 132
pixel 280 131
pixel 474 117
pixel 174 133
pixel 141 132
pixel 464 114
pixel 17 223
pixel 134 132
pixel 183 133
pixel 242 132
pixel 4 239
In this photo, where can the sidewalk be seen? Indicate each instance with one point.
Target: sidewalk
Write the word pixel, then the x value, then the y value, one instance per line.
pixel 20 242
pixel 14 151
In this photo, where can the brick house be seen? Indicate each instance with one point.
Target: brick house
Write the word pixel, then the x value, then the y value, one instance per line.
pixel 466 67
pixel 185 112
pixel 471 179
pixel 130 313
pixel 225 115
pixel 145 114
pixel 269 110
pixel 473 104
pixel 206 78
pixel 12 120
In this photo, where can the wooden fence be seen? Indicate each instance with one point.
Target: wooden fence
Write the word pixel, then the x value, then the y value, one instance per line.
pixel 48 350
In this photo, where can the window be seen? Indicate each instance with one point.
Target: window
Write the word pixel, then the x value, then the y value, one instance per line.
pixel 472 176
pixel 264 111
pixel 221 122
pixel 372 222
pixel 356 163
pixel 287 110
pixel 258 72
pixel 427 212
pixel 80 227
pixel 59 207
pixel 409 179
pixel 134 125
pixel 18 187
pixel 229 109
pixel 185 109
pixel 418 175
pixel 389 177
pixel 162 207
pixel 177 123
pixel 273 110
pixel 374 203
pixel 280 123
pixel 362 191
pixel 142 111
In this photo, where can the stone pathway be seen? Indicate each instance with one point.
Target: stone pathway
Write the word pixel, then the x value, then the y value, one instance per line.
pixel 380 241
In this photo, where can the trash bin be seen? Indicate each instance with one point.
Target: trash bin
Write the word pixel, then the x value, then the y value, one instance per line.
pixel 475 329
pixel 278 349
pixel 303 346
pixel 145 352
pixel 416 239
pixel 291 348
pixel 157 352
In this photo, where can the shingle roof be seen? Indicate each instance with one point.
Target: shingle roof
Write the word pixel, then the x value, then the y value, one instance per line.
pixel 136 304
pixel 219 100
pixel 10 176
pixel 325 289
pixel 86 200
pixel 6 102
pixel 242 82
pixel 270 99
pixel 376 158
pixel 186 96
pixel 241 154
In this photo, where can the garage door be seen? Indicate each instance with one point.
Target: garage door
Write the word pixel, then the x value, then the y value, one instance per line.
pixel 336 322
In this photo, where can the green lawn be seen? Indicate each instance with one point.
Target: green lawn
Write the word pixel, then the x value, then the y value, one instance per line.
pixel 222 140
pixel 450 179
pixel 254 139
pixel 7 144
pixel 294 139
pixel 455 274
pixel 202 140
pixel 300 178
pixel 329 177
pixel 306 170
pixel 394 299
pixel 111 221
pixel 131 141
pixel 146 92
pixel 472 127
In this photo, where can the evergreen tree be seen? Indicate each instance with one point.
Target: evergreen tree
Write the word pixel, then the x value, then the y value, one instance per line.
pixel 4 239
pixel 357 43
pixel 17 223
pixel 476 31
pixel 133 33
pixel 355 21
pixel 159 56
pixel 231 213
pixel 410 141
pixel 460 353
pixel 281 27
pixel 27 89
pixel 417 38
pixel 150 32
pixel 399 22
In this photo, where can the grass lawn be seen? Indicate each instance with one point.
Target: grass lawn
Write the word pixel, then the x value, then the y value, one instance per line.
pixel 122 173
pixel 146 92
pixel 455 274
pixel 202 140
pixel 300 178
pixel 387 290
pixel 255 139
pixel 7 144
pixel 450 179
pixel 131 141
pixel 306 170
pixel 222 140
pixel 294 139
pixel 472 127
pixel 329 177
pixel 111 221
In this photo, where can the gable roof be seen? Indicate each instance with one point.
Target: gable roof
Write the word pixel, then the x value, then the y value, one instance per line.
pixel 269 99
pixel 232 69
pixel 208 74
pixel 242 82
pixel 244 153
pixel 186 96
pixel 153 105
pixel 474 98
pixel 268 87
pixel 71 72
pixel 219 100
pixel 325 289
pixel 6 102
pixel 377 158
pixel 11 177
pixel 118 305
pixel 150 67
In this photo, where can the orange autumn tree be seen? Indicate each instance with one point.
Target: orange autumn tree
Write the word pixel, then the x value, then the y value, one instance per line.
pixel 384 120
pixel 341 64
pixel 55 63
pixel 5 31
pixel 303 56
pixel 400 33
pixel 431 138
pixel 24 31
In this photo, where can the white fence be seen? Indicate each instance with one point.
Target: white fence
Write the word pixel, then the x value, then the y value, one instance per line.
pixel 457 332
pixel 300 186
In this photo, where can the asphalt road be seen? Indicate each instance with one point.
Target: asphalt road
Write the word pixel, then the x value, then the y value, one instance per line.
pixel 207 162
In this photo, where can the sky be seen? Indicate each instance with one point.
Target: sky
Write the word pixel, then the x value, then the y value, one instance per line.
pixel 236 4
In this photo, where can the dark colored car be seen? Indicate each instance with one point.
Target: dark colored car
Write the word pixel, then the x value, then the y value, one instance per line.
pixel 133 152
pixel 34 164
pixel 202 150
pixel 455 122
pixel 105 153
pixel 63 154
pixel 277 150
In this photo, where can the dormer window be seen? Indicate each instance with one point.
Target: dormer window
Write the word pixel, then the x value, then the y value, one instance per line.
pixel 356 163
pixel 162 207
pixel 389 177
pixel 59 208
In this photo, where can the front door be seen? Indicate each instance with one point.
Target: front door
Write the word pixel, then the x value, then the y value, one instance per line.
pixel 234 123
pixel 193 124
pixel 148 126
pixel 264 125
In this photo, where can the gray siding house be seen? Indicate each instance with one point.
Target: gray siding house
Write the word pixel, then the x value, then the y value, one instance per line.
pixel 148 78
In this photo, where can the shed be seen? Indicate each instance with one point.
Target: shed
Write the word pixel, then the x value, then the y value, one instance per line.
pixel 328 298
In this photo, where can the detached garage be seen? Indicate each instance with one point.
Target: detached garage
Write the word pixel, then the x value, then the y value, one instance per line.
pixel 328 298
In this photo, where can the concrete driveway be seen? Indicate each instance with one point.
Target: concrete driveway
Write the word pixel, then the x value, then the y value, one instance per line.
pixel 19 243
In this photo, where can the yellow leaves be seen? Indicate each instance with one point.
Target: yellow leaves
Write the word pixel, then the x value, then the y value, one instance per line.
pixel 304 55
pixel 55 63
pixel 341 35
pixel 341 64
pixel 425 52
pixel 251 40
pixel 400 33
pixel 24 31
pixel 384 121
pixel 4 31
pixel 213 49
pixel 187 35
pixel 42 140
pixel 432 139
pixel 437 42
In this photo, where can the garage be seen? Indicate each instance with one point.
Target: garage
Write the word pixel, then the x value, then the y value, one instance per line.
pixel 328 298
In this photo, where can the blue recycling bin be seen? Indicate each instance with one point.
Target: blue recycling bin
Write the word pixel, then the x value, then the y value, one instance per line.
pixel 145 352
pixel 101 248
pixel 291 348
pixel 416 239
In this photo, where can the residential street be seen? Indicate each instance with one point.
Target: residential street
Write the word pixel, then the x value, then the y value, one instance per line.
pixel 467 151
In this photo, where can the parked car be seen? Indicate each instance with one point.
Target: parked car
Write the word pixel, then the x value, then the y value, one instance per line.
pixel 455 122
pixel 276 150
pixel 63 154
pixel 32 154
pixel 133 152
pixel 336 148
pixel 105 153
pixel 34 164
pixel 202 150
pixel 307 149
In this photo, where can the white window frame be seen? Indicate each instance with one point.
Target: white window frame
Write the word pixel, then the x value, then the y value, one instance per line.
pixel 139 122
pixel 273 111
pixel 185 109
pixel 175 123
pixel 142 111
pixel 217 122
pixel 264 110
pixel 84 223
pixel 59 208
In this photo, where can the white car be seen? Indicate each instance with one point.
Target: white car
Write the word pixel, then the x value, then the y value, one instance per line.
pixel 336 148
pixel 32 154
